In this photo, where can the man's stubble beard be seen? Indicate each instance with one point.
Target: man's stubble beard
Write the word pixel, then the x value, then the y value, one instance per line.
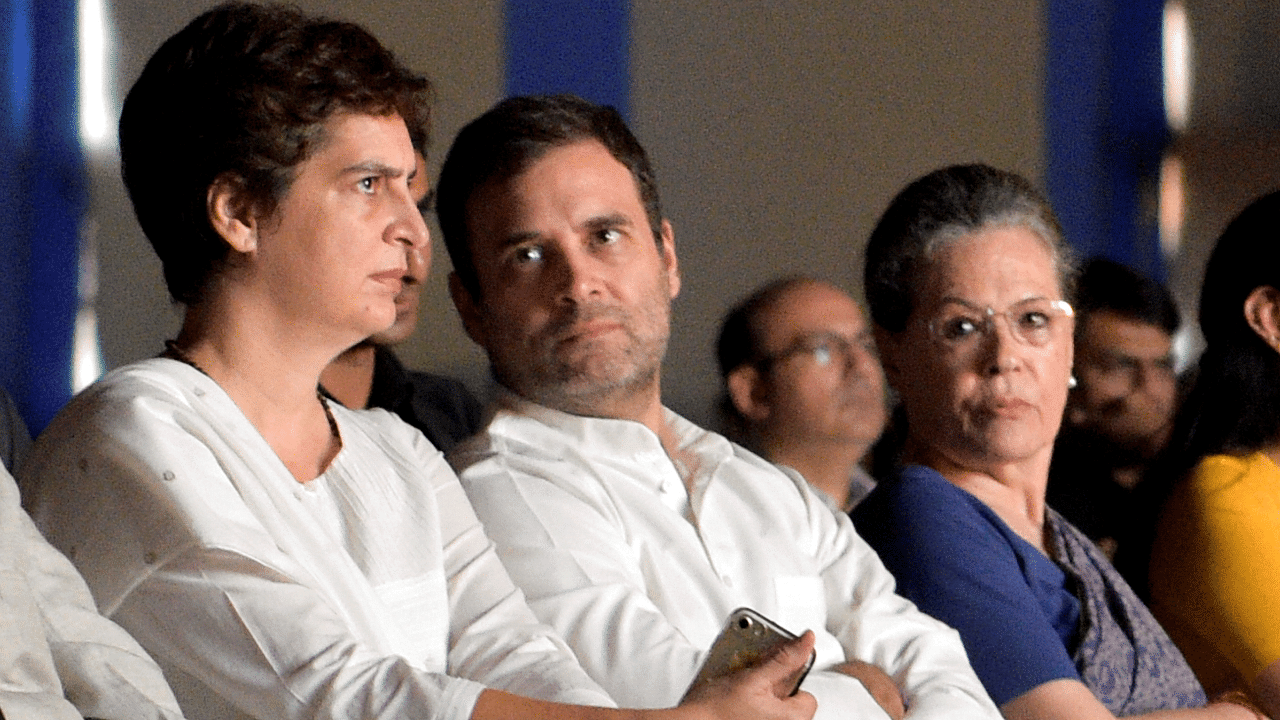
pixel 604 376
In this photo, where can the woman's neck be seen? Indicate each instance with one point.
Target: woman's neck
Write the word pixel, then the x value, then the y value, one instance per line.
pixel 272 380
pixel 1014 491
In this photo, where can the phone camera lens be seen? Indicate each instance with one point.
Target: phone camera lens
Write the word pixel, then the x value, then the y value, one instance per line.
pixel 744 622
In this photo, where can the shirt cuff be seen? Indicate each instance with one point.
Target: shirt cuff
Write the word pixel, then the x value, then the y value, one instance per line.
pixel 841 696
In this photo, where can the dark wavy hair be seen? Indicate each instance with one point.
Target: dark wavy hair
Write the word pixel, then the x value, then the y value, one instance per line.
pixel 943 206
pixel 510 137
pixel 241 95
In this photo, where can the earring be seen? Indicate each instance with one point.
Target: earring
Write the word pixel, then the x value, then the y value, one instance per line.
pixel 1072 382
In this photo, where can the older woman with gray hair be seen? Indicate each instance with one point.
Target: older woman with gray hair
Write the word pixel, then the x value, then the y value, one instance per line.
pixel 967 280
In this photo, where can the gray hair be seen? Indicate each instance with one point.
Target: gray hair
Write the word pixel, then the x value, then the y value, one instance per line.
pixel 940 208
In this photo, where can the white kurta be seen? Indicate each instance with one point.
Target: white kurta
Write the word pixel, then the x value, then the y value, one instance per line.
pixel 369 592
pixel 60 659
pixel 594 521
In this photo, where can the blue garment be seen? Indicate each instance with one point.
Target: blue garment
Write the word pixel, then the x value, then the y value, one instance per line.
pixel 1025 619
pixel 955 559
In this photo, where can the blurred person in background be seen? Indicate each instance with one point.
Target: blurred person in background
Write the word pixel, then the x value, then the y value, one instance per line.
pixel 803 380
pixel 1120 413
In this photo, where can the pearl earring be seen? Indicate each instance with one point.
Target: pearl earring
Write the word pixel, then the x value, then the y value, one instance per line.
pixel 1072 382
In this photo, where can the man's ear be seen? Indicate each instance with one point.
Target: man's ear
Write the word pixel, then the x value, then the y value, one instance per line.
pixel 669 257
pixel 1262 312
pixel 230 216
pixel 747 392
pixel 468 309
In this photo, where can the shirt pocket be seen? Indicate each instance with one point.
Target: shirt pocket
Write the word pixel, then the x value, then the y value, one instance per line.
pixel 801 602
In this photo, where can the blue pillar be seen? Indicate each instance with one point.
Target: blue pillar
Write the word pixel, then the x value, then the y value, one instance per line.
pixel 44 189
pixel 1104 126
pixel 577 46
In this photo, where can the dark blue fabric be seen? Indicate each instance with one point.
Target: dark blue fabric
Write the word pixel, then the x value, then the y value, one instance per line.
pixel 960 563
pixel 577 46
pixel 1025 619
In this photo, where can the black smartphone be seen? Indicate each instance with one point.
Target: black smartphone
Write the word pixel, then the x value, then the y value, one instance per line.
pixel 747 640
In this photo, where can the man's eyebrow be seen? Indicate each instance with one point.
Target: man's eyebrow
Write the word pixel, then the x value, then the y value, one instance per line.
pixel 608 220
pixel 374 167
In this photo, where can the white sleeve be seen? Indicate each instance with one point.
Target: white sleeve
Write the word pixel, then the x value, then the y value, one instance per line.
pixel 61 658
pixel 925 657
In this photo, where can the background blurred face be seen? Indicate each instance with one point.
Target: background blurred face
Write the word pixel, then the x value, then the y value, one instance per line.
pixel 575 295
pixel 995 400
pixel 418 262
pixel 824 381
pixel 1127 387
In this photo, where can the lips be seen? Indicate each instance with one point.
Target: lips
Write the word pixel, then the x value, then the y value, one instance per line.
pixel 393 279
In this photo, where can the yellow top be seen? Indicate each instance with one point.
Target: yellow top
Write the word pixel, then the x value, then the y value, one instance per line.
pixel 1215 569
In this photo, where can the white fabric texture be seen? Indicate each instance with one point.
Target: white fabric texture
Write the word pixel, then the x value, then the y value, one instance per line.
pixel 594 523
pixel 369 592
pixel 60 659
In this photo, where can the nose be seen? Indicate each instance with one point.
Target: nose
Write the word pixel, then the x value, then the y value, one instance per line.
pixel 1000 348
pixel 578 275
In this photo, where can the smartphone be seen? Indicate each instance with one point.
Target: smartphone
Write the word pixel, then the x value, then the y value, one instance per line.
pixel 747 640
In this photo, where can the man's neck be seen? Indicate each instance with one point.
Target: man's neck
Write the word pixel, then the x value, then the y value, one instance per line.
pixel 349 378
pixel 827 468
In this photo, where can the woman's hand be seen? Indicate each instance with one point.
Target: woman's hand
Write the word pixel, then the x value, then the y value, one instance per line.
pixel 763 692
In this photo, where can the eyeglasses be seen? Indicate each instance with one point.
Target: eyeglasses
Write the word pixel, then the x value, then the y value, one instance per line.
pixel 824 348
pixel 1036 322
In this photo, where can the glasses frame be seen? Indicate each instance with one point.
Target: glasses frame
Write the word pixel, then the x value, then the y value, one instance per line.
pixel 1062 309
pixel 811 343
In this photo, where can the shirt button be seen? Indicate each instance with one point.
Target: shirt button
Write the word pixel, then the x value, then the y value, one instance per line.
pixel 199 392
pixel 728 581
pixel 149 558
pixel 167 475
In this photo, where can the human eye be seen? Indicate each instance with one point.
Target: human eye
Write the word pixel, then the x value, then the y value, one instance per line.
pixel 368 185
pixel 608 236
pixel 822 351
pixel 1034 319
pixel 958 327
pixel 527 254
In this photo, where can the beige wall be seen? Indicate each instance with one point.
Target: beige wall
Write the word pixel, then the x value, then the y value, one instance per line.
pixel 779 131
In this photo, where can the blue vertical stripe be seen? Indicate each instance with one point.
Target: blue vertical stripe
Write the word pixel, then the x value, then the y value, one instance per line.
pixel 15 151
pixel 52 193
pixel 1104 126
pixel 577 46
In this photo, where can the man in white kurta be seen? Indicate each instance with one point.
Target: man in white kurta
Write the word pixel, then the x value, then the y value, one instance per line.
pixel 369 592
pixel 60 659
pixel 631 531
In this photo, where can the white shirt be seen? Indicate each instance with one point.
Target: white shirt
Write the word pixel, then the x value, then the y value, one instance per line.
pixel 60 659
pixel 593 521
pixel 369 592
